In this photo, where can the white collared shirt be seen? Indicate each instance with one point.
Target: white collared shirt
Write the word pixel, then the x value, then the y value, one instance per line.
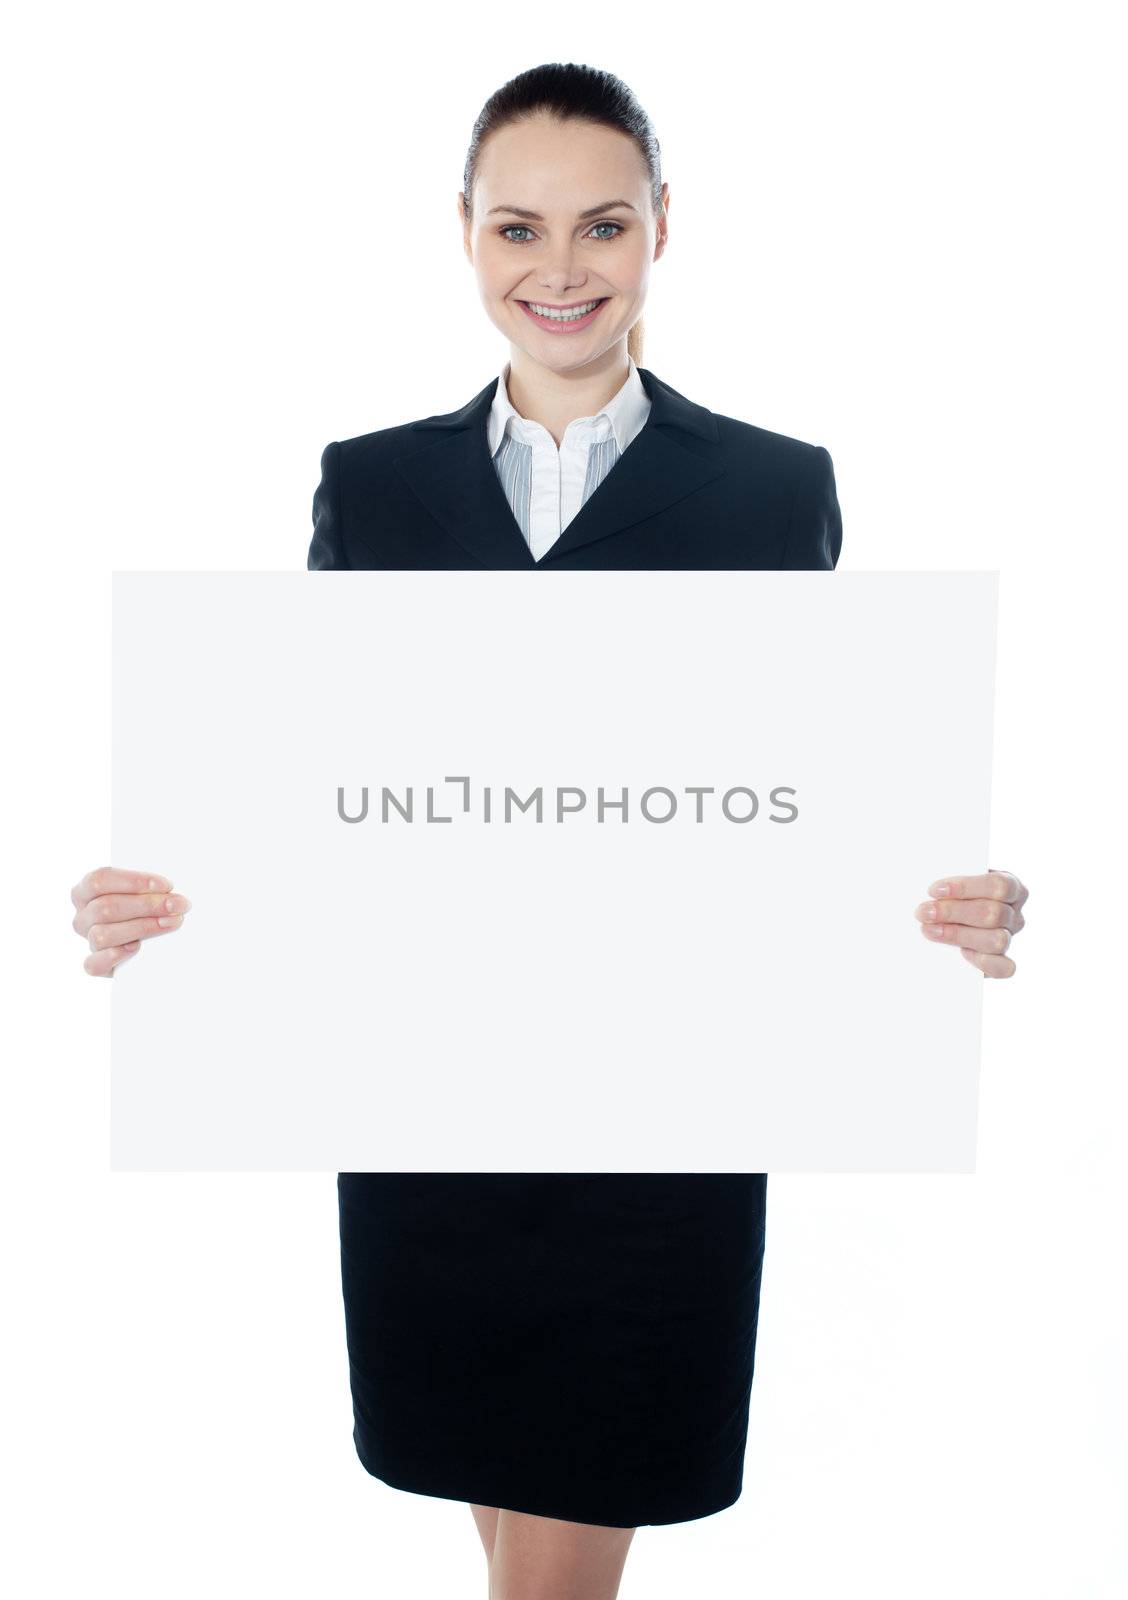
pixel 546 486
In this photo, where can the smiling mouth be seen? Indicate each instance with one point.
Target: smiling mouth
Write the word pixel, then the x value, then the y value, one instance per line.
pixel 566 315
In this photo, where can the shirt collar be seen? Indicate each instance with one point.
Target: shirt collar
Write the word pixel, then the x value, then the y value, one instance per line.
pixel 625 412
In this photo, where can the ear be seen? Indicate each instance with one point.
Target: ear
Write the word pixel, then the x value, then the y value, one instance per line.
pixel 463 220
pixel 662 226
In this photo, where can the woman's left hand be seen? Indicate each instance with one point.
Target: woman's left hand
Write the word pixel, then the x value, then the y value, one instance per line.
pixel 981 915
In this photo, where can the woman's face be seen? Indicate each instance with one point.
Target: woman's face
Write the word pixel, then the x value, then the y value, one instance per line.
pixel 531 242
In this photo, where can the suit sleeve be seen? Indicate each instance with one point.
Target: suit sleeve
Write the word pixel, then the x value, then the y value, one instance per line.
pixel 814 538
pixel 327 548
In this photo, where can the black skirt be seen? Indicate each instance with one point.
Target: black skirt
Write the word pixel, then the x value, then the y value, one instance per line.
pixel 574 1345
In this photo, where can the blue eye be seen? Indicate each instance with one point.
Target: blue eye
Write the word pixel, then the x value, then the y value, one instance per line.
pixel 520 227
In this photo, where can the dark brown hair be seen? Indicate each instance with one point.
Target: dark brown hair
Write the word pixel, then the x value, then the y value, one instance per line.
pixel 566 90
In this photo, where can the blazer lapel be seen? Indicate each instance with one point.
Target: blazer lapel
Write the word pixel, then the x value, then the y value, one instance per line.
pixel 456 480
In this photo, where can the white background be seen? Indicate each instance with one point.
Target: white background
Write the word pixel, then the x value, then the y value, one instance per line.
pixel 894 230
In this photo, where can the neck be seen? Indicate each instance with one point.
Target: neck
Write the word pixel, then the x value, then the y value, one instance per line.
pixel 554 399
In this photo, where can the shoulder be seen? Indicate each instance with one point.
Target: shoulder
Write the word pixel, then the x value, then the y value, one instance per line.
pixel 361 472
pixel 735 440
pixel 383 445
pixel 790 479
pixel 387 441
pixel 371 453
pixel 765 446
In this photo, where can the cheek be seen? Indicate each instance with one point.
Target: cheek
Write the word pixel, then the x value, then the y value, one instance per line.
pixel 632 268
pixel 492 269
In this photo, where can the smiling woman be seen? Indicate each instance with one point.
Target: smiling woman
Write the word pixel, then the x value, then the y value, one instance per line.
pixel 570 1353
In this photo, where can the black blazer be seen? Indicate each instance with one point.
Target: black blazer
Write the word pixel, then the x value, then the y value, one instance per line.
pixel 693 491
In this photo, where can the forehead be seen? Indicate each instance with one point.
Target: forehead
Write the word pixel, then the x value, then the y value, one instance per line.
pixel 547 164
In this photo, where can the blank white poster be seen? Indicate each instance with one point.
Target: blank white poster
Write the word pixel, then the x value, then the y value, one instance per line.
pixel 611 872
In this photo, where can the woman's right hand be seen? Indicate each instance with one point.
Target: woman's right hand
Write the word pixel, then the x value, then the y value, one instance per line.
pixel 116 909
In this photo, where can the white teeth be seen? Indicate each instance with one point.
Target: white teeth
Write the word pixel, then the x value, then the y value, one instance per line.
pixel 572 313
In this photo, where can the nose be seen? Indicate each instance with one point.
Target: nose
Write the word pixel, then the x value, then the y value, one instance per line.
pixel 561 275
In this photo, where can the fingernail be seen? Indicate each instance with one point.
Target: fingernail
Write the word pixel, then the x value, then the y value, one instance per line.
pixel 940 889
pixel 159 883
pixel 167 922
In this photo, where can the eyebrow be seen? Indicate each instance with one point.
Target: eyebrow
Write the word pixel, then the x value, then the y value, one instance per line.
pixel 535 216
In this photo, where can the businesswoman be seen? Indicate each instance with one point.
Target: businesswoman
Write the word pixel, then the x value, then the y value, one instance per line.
pixel 570 1353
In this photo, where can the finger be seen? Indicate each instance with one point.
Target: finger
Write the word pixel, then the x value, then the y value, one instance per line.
pixel 989 941
pixel 975 913
pixel 105 880
pixel 987 886
pixel 111 908
pixel 1023 892
pixel 103 963
pixel 991 966
pixel 110 935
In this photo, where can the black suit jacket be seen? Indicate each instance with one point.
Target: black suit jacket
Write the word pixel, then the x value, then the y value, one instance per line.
pixel 692 491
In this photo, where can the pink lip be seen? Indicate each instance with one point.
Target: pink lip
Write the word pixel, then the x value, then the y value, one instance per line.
pixel 562 327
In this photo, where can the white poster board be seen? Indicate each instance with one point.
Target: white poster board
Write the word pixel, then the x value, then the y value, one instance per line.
pixel 728 976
